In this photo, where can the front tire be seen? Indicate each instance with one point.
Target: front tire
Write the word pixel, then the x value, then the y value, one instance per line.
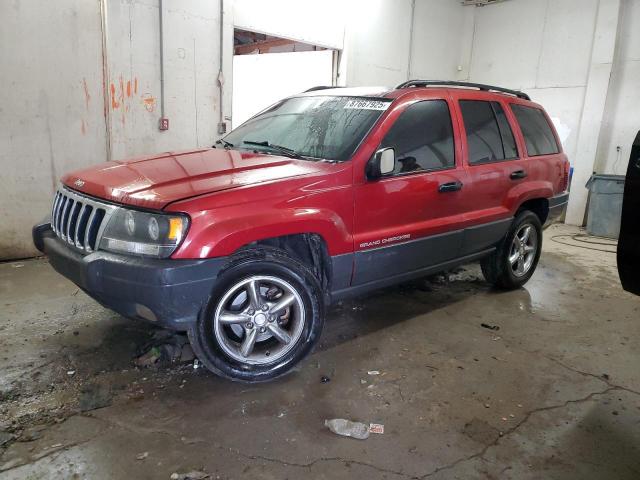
pixel 264 316
pixel 517 255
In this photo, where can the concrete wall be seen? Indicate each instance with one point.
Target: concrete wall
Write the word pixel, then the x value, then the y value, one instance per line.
pixel 51 108
pixel 441 41
pixel 377 42
pixel 622 111
pixel 191 66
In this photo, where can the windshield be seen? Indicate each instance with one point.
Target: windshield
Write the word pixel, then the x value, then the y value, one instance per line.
pixel 326 127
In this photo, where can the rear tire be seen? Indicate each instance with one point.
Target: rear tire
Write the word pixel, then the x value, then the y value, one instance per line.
pixel 263 317
pixel 517 255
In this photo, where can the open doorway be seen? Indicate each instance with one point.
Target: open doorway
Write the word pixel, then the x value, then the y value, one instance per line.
pixel 267 69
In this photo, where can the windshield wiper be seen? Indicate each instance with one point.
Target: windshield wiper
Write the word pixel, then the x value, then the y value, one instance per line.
pixel 287 152
pixel 224 143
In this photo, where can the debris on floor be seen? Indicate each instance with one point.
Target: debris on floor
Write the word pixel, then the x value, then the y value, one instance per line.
pixel 373 372
pixel 324 379
pixel 347 428
pixel 193 475
pixel 142 456
pixel 149 358
pixel 376 428
pixel 166 347
pixel 490 327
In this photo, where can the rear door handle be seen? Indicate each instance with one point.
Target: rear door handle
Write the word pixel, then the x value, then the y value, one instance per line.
pixel 518 174
pixel 450 187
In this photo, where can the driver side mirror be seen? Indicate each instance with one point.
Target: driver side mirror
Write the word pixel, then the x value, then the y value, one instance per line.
pixel 382 163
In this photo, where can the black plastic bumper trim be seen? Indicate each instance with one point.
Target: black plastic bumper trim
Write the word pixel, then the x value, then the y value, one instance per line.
pixel 175 291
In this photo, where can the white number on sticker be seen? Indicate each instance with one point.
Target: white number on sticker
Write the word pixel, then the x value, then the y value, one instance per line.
pixel 361 104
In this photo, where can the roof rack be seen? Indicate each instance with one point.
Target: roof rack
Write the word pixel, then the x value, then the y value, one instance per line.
pixel 320 87
pixel 449 83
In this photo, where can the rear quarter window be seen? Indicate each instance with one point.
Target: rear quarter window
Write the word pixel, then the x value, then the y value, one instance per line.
pixel 538 134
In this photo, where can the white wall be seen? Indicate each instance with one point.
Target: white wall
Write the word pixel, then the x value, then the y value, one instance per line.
pixel 377 39
pixel 51 109
pixel 550 62
pixel 561 52
pixel 442 33
pixel 622 111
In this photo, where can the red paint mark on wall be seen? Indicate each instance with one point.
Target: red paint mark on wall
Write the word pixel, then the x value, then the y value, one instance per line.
pixel 122 90
pixel 114 103
pixel 87 97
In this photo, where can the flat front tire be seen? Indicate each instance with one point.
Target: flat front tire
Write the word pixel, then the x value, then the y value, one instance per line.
pixel 517 255
pixel 264 316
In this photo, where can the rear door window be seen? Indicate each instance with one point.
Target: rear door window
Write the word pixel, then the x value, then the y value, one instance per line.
pixel 489 136
pixel 422 138
pixel 538 135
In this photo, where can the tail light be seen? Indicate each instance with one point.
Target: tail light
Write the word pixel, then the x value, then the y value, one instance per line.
pixel 564 184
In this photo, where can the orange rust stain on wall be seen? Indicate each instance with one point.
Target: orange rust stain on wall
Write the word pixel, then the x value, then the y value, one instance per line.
pixel 123 89
pixel 149 102
pixel 114 102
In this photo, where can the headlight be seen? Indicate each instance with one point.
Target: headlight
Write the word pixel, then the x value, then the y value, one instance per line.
pixel 142 233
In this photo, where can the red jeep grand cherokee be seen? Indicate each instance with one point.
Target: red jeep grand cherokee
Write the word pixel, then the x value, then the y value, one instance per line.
pixel 324 195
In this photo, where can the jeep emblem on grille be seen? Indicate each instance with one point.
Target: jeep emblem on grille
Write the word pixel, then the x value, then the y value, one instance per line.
pixel 78 183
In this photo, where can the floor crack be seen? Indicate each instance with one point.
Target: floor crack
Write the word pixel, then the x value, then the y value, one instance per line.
pixel 309 465
pixel 482 452
pixel 602 378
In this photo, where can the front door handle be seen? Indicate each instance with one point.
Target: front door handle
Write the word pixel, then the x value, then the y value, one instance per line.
pixel 450 187
pixel 518 174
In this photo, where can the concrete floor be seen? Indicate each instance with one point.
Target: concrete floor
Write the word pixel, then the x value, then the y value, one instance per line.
pixel 554 393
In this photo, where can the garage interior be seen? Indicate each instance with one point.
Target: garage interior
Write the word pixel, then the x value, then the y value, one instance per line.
pixel 468 381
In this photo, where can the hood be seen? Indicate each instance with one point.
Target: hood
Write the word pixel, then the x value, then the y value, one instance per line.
pixel 155 181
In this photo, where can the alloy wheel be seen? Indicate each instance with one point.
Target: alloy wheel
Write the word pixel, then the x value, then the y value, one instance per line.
pixel 523 250
pixel 259 320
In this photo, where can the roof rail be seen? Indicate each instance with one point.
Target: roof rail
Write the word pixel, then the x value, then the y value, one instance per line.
pixel 320 87
pixel 449 83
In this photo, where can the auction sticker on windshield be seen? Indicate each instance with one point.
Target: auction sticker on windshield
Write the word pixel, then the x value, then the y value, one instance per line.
pixel 360 104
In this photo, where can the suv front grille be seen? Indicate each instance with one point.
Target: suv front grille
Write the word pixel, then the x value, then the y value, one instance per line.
pixel 79 220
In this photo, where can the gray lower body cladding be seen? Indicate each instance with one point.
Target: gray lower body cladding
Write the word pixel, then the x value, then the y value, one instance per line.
pixel 375 264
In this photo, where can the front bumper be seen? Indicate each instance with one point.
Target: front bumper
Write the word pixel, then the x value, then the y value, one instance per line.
pixel 170 293
pixel 557 207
